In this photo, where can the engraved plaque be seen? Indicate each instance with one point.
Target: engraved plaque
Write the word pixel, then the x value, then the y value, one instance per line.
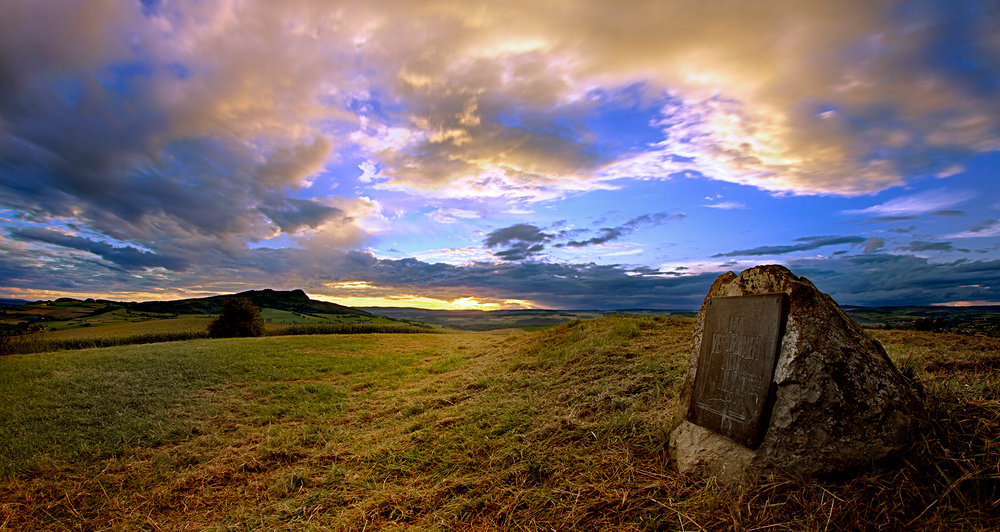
pixel 739 349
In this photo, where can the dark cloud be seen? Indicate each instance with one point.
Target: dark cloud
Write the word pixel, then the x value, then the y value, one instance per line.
pixel 519 251
pixel 128 257
pixel 919 245
pixel 608 234
pixel 892 280
pixel 519 232
pixel 652 219
pixel 524 241
pixel 890 219
pixel 983 226
pixel 951 213
pixel 872 279
pixel 293 214
pixel 810 243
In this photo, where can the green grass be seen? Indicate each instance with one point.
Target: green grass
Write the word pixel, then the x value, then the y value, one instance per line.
pixel 563 429
pixel 96 402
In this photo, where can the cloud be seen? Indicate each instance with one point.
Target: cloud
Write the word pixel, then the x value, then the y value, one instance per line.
pixel 608 234
pixel 167 124
pixel 726 205
pixel 866 279
pixel 986 228
pixel 524 241
pixel 891 280
pixel 519 232
pixel 951 213
pixel 920 245
pixel 932 201
pixel 452 215
pixel 810 243
pixel 127 257
pixel 293 214
pixel 890 219
pixel 873 244
pixel 472 101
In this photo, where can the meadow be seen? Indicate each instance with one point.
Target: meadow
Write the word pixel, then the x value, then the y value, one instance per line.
pixel 561 429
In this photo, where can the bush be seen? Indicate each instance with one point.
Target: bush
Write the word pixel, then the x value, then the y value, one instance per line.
pixel 239 317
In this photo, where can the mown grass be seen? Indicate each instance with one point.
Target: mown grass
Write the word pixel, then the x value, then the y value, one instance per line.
pixel 564 429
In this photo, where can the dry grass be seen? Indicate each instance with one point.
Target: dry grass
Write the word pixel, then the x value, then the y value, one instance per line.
pixel 559 430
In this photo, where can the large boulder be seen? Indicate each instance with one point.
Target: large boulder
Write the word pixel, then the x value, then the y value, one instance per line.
pixel 836 401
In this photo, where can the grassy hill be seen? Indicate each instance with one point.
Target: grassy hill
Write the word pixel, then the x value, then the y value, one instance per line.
pixel 73 324
pixel 292 306
pixel 563 429
pixel 295 301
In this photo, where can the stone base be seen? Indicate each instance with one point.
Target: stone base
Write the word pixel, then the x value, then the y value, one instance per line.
pixel 700 451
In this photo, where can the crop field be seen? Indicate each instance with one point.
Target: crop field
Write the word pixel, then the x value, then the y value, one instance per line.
pixel 131 328
pixel 561 429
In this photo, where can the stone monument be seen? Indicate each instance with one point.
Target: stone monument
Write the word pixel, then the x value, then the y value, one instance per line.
pixel 780 380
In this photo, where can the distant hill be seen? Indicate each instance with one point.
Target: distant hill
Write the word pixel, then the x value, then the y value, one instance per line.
pixel 72 313
pixel 984 320
pixel 12 302
pixel 981 320
pixel 489 320
pixel 290 300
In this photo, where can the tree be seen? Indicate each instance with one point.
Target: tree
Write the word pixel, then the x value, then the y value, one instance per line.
pixel 239 317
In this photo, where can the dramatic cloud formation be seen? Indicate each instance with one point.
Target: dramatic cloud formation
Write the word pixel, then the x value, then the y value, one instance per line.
pixel 172 147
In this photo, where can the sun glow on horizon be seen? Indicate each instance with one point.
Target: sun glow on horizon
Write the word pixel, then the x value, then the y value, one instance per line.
pixel 411 301
pixel 51 295
pixel 979 303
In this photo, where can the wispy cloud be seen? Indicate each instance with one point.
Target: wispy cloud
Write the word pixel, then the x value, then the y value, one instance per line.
pixel 933 201
pixel 452 215
pixel 987 228
pixel 726 205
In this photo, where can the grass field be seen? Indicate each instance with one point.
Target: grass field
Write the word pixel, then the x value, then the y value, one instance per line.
pixel 563 429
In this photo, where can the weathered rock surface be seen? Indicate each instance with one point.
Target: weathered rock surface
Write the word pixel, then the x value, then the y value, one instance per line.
pixel 839 402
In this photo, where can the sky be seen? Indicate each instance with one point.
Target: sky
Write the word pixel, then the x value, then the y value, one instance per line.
pixel 585 154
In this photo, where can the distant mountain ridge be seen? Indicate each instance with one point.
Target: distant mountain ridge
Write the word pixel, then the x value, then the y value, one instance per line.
pixel 289 300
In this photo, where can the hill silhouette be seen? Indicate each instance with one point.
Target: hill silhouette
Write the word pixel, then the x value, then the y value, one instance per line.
pixel 289 300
